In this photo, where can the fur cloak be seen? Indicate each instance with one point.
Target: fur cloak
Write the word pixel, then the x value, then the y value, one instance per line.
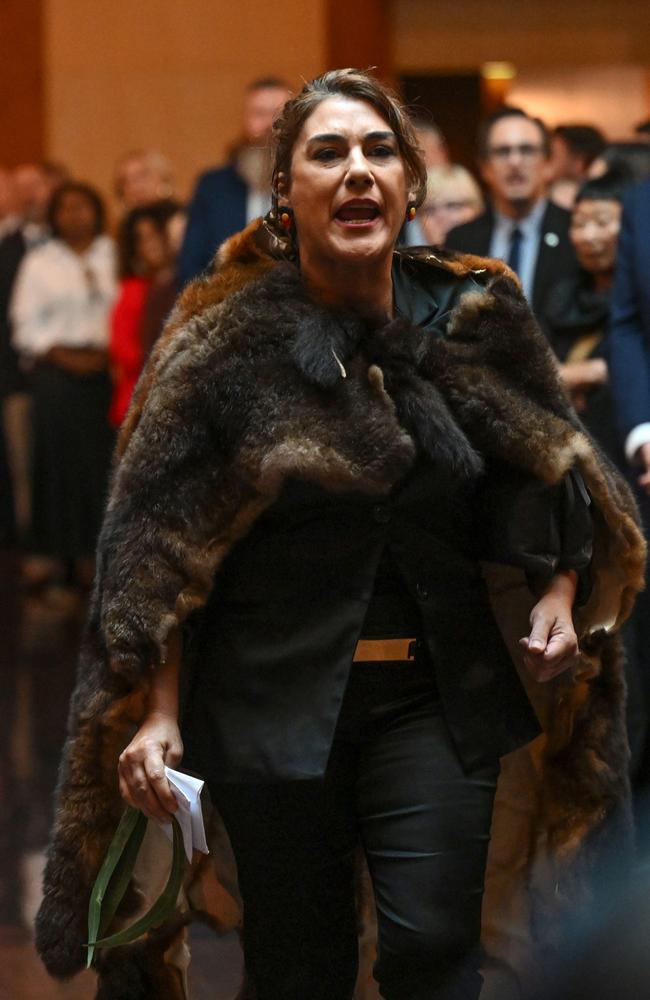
pixel 245 388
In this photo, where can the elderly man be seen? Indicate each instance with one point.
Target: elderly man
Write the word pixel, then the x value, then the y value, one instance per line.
pixel 520 225
pixel 229 197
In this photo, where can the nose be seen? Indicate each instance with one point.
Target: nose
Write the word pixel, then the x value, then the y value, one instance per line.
pixel 359 173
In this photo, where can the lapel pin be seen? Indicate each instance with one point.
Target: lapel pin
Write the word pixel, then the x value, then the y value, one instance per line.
pixel 551 239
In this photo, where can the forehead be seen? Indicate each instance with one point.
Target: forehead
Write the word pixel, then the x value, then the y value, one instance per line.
pixel 266 97
pixel 598 206
pixel 453 186
pixel 514 129
pixel 74 199
pixel 145 225
pixel 343 116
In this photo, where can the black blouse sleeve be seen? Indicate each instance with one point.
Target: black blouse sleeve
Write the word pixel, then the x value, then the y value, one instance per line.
pixel 542 529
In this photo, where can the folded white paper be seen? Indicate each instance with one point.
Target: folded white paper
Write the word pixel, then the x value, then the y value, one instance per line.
pixel 187 792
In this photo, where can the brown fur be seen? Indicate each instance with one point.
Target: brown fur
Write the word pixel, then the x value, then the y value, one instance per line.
pixel 241 392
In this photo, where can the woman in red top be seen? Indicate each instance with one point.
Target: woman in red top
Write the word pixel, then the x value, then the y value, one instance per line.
pixel 144 252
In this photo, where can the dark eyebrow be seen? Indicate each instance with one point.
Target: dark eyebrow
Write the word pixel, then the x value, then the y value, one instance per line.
pixel 336 137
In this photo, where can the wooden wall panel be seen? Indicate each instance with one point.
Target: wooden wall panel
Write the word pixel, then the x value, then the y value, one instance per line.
pixel 559 33
pixel 359 34
pixel 167 75
pixel 21 81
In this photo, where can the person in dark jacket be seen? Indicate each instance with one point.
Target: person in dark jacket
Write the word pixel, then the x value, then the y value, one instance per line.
pixel 228 197
pixel 330 437
pixel 578 307
pixel 520 225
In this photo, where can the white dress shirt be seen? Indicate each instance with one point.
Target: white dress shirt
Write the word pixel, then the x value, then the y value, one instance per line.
pixel 62 298
pixel 531 234
pixel 258 203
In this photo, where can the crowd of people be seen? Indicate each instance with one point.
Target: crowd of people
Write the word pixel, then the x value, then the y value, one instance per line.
pixel 82 304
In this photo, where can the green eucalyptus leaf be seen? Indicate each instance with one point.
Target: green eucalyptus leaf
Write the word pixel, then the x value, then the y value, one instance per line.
pixel 163 906
pixel 130 828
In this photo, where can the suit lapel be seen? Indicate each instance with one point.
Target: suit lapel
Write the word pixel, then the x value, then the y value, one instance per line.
pixel 548 257
pixel 484 226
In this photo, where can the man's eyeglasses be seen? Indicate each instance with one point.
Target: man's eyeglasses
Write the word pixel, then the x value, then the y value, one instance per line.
pixel 527 151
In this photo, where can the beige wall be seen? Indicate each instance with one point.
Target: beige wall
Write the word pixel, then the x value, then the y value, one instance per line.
pixel 464 34
pixel 167 74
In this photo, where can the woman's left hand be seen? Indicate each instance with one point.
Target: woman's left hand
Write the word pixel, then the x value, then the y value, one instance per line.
pixel 552 645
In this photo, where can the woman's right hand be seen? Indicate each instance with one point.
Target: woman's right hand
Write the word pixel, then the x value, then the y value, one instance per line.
pixel 141 767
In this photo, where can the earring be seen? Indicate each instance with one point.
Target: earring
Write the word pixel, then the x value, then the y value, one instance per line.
pixel 411 213
pixel 286 219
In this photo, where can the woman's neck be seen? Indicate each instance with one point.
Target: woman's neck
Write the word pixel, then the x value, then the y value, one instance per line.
pixel 363 288
pixel 80 246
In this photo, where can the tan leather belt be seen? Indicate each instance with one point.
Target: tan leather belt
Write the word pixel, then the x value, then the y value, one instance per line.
pixel 384 649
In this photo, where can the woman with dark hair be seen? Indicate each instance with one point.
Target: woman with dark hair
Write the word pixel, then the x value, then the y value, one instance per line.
pixel 60 309
pixel 577 312
pixel 145 265
pixel 330 436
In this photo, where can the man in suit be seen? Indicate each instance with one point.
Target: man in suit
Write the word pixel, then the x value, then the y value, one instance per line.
pixel 33 186
pixel 229 197
pixel 520 225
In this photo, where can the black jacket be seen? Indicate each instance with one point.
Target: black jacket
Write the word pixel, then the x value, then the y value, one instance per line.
pixel 556 259
pixel 277 638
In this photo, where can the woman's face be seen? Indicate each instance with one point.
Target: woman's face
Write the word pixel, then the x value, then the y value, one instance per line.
pixel 348 187
pixel 150 246
pixel 454 204
pixel 595 226
pixel 75 218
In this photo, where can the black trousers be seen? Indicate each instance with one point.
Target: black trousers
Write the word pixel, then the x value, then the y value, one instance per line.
pixel 395 784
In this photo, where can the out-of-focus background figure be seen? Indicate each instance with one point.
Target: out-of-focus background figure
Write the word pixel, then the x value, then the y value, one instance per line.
pixel 431 141
pixel 520 224
pixel 230 196
pixel 147 290
pixel 143 176
pixel 573 150
pixel 453 198
pixel 60 312
pixel 30 187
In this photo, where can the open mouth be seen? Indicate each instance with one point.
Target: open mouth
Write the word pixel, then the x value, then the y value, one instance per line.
pixel 358 213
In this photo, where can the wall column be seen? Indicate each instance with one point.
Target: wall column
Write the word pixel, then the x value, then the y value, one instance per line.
pixel 22 118
pixel 359 34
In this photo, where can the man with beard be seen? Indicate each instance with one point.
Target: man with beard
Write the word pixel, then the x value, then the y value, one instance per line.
pixel 520 225
pixel 229 197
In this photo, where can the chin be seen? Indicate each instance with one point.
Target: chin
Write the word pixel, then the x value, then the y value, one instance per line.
pixel 360 249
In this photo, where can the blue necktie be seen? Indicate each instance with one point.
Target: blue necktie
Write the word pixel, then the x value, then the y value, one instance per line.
pixel 515 250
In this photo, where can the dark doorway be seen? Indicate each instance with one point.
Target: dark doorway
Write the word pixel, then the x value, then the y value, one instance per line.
pixel 454 103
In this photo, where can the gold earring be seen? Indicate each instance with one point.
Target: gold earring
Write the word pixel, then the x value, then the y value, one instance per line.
pixel 412 212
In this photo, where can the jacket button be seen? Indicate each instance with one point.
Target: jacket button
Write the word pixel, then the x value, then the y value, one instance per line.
pixel 381 513
pixel 422 591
